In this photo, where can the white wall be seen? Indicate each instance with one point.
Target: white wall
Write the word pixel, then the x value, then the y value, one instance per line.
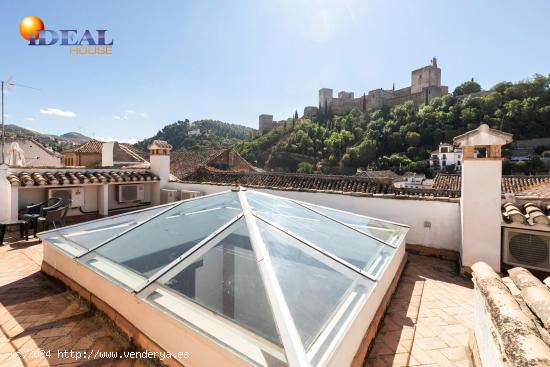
pixel 442 219
pixel 480 211
pixel 160 166
pixel 37 194
pixel 35 156
pixel 489 352
pixel 5 194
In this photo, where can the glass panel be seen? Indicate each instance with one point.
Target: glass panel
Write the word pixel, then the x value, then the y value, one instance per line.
pixel 390 233
pixel 223 276
pixel 76 240
pixel 356 248
pixel 158 242
pixel 321 294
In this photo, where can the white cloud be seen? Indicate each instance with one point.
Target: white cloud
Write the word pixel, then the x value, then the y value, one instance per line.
pixel 57 112
pixel 31 129
pixel 130 111
pixel 116 117
pixel 120 140
pixel 143 114
pixel 29 119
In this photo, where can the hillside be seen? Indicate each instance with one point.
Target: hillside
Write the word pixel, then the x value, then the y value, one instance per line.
pixel 199 134
pixel 57 143
pixel 75 137
pixel 401 138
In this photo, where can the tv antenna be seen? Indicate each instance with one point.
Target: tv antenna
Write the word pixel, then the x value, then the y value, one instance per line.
pixel 7 85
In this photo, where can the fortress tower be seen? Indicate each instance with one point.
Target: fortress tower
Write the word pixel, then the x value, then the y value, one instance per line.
pixel 425 77
pixel 325 100
pixel 265 123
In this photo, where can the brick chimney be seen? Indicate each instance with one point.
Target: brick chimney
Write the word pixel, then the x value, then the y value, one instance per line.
pixel 480 201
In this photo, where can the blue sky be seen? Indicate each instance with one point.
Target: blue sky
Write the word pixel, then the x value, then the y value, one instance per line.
pixel 233 60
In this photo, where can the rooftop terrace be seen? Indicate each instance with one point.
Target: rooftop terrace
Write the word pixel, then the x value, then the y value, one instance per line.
pixel 428 322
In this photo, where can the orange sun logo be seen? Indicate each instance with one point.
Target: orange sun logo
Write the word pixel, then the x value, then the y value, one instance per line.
pixel 30 26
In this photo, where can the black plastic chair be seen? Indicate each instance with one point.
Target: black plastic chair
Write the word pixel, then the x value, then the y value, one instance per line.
pixel 34 211
pixel 54 217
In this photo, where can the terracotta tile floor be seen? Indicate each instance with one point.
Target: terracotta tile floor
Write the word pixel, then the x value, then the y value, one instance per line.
pixel 429 320
pixel 38 314
pixel 427 324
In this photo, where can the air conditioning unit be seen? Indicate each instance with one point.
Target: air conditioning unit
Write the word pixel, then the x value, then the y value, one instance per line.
pixel 75 194
pixel 527 248
pixel 167 196
pixel 129 193
pixel 189 194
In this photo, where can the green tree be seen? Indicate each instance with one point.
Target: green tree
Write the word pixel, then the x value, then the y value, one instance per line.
pixel 412 138
pixel 467 88
pixel 305 167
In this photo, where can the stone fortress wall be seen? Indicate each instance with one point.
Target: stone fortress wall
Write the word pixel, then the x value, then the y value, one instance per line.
pixel 425 86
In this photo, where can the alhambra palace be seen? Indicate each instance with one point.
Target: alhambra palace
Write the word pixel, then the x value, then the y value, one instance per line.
pixel 425 86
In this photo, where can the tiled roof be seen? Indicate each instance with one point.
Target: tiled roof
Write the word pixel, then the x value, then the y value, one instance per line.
pixel 447 182
pixel 184 162
pixel 540 191
pixel 516 308
pixel 355 185
pixel 379 175
pixel 130 147
pixel 528 213
pixel 95 146
pixel 159 144
pixel 510 184
pixel 92 146
pixel 37 178
pixel 138 155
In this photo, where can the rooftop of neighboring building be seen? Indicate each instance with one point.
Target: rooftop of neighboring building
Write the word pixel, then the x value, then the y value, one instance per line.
pixel 124 154
pixel 96 146
pixel 515 184
pixel 379 174
pixel 334 184
pixel 518 309
pixel 54 176
pixel 186 162
pixel 36 154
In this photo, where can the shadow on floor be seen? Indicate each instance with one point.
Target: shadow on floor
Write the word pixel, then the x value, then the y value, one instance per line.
pixel 38 314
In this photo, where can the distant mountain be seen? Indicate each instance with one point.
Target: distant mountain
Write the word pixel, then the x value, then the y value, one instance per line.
pixel 57 143
pixel 75 137
pixel 199 134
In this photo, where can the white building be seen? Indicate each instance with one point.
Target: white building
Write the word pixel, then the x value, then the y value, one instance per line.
pixel 446 155
pixel 103 191
pixel 413 180
pixel 34 153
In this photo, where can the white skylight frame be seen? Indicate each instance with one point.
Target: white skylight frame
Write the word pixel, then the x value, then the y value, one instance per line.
pixel 293 346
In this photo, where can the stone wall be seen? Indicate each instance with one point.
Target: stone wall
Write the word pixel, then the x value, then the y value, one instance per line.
pixel 425 85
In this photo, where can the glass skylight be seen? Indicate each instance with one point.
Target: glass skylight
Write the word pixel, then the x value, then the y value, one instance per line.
pixel 275 280
pixel 79 239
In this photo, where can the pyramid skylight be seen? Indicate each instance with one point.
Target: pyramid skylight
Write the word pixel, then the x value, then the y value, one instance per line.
pixel 274 280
